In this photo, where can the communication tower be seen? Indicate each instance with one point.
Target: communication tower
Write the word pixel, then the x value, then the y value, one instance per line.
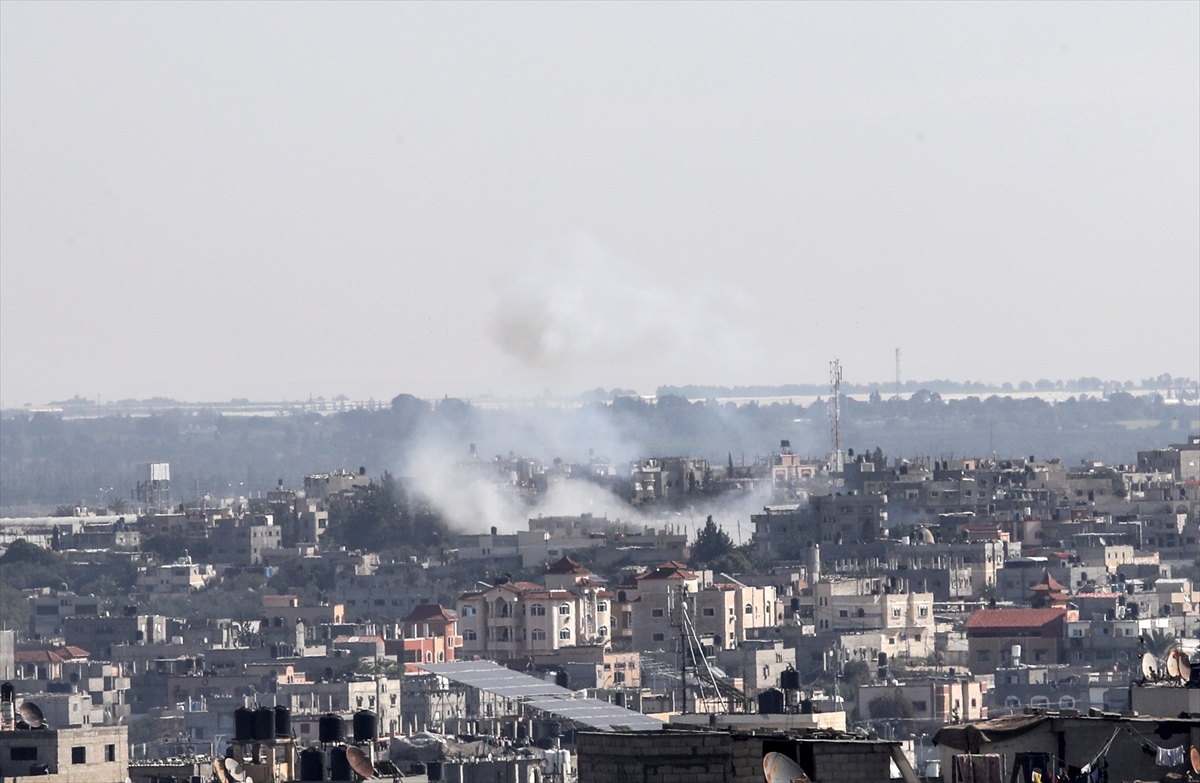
pixel 837 464
pixel 897 372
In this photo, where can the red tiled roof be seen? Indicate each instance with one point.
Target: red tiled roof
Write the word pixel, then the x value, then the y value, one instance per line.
pixel 424 612
pixel 37 656
pixel 71 651
pixel 567 566
pixel 999 619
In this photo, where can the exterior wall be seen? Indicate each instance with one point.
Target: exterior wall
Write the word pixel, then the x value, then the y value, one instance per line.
pixel 104 751
pixel 719 757
pixel 656 757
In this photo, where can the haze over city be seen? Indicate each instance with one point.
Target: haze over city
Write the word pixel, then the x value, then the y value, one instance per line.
pixel 209 201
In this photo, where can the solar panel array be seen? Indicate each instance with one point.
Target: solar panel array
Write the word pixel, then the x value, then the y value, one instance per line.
pixel 542 695
pixel 490 677
pixel 597 714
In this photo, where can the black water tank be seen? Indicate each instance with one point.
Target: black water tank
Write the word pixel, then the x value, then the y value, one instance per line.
pixel 789 680
pixel 330 728
pixel 312 764
pixel 243 724
pixel 434 770
pixel 283 721
pixel 339 765
pixel 770 702
pixel 364 726
pixel 264 723
pixel 561 679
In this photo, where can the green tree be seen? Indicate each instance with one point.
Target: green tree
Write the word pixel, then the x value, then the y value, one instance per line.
pixel 26 566
pixel 891 706
pixel 382 516
pixel 711 544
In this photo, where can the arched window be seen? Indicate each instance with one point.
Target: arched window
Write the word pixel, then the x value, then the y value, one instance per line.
pixel 603 630
pixel 1012 703
pixel 564 634
pixel 1066 702
pixel 538 635
pixel 749 608
pixel 564 608
pixel 429 656
pixel 1039 701
pixel 537 610
pixel 602 607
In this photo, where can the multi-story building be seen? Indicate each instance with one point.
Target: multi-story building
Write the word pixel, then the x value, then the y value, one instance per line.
pixel 430 635
pixel 182 576
pixel 513 619
pixel 50 608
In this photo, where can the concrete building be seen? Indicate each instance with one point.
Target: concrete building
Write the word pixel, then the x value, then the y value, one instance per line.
pixel 181 577
pixel 93 754
pixel 514 620
pixel 936 701
pixel 992 634
pixel 50 608
pixel 430 635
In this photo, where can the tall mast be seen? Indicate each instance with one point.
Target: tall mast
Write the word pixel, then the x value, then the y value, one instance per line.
pixel 837 465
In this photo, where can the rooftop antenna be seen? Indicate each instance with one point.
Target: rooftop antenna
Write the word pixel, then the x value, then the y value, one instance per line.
pixel 835 391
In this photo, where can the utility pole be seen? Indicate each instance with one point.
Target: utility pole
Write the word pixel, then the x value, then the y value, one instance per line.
pixel 837 464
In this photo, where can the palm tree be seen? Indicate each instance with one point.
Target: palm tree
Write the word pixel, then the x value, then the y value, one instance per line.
pixel 1159 642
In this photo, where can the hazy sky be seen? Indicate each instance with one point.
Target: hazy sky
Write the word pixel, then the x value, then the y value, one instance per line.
pixel 274 200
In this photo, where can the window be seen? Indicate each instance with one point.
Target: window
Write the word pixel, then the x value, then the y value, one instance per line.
pixel 896 612
pixel 843 613
pixel 23 753
pixel 564 634
pixel 656 612
pixel 1066 702
pixel 749 608
pixel 658 637
pixel 468 610
pixel 923 611
pixel 1039 701
pixel 1012 702
pixel 710 612
pixel 470 635
pixel 79 755
pixel 537 610
pixel 984 655
pixel 538 635
pixel 920 706
pixel 602 606
pixel 564 608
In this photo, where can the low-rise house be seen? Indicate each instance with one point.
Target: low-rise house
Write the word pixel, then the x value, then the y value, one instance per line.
pixel 992 635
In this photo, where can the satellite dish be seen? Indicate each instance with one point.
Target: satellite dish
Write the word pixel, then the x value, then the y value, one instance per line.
pixel 236 773
pixel 32 715
pixel 359 762
pixel 1185 669
pixel 1149 666
pixel 1173 663
pixel 1195 754
pixel 778 768
pixel 221 775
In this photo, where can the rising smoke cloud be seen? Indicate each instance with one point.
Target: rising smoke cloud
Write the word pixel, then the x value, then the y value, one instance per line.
pixel 588 308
